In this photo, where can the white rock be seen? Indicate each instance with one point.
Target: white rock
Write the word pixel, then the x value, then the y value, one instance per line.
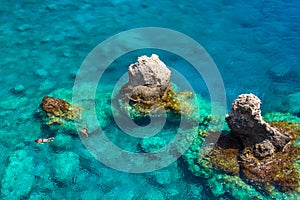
pixel 149 71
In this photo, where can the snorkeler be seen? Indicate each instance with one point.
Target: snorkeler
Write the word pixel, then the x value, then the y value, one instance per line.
pixel 42 140
pixel 84 131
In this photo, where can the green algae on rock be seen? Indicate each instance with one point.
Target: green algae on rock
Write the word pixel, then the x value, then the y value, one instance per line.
pixel 263 165
pixel 274 173
pixel 59 110
pixel 202 163
pixel 268 155
pixel 225 155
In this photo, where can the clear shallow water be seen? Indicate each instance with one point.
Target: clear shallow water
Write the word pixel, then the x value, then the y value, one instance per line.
pixel 254 44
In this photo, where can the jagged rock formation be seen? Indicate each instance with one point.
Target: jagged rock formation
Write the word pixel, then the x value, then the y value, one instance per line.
pixel 149 78
pixel 246 123
pixel 149 89
pixel 252 150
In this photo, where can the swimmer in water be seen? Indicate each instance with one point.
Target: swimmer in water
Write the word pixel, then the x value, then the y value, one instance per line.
pixel 43 140
pixel 84 131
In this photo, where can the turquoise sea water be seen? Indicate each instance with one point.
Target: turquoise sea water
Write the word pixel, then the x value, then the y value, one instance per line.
pixel 255 45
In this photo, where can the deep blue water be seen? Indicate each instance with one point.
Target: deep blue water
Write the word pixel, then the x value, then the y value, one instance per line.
pixel 255 45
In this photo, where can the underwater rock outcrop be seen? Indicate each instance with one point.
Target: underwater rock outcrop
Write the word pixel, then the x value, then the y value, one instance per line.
pixel 149 90
pixel 59 110
pixel 246 123
pixel 18 177
pixel 291 103
pixel 66 165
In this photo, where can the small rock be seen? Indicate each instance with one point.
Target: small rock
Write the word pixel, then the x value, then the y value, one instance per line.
pixel 60 109
pixel 264 149
pixel 45 40
pixel 152 144
pixel 196 191
pixel 62 141
pixel 42 73
pixel 291 103
pixel 51 7
pixel 174 190
pixel 67 54
pixel 66 166
pixel 47 85
pixel 154 195
pixel 18 89
pixel 216 187
pixel 163 177
pixel 24 27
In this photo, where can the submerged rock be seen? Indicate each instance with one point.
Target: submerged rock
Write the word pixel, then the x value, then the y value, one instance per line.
pixel 291 103
pixel 163 177
pixel 59 110
pixel 62 141
pixel 18 90
pixel 66 165
pixel 19 177
pixel 245 122
pixel 152 144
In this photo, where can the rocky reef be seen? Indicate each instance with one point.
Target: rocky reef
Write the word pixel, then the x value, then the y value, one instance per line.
pixel 255 154
pixel 149 89
pixel 267 155
pixel 59 110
